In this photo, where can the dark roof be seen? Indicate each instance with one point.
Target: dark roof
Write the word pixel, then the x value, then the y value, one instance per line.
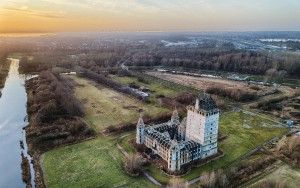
pixel 206 102
pixel 159 137
pixel 189 145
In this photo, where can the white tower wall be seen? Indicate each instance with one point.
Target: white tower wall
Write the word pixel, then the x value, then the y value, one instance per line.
pixel 201 126
pixel 195 126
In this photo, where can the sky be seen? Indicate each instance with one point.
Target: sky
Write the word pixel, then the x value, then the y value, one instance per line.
pixel 148 15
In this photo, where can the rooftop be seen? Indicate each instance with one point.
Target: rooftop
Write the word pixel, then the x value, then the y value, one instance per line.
pixel 205 102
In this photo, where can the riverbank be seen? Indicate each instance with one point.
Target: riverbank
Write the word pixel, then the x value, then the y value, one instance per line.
pixel 55 117
pixel 4 69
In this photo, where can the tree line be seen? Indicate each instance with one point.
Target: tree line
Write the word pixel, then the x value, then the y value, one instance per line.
pixel 102 79
pixel 249 62
pixel 54 112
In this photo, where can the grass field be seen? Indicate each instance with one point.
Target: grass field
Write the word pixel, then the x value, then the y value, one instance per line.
pixel 245 132
pixel 94 163
pixel 105 107
pixel 284 173
pixel 157 87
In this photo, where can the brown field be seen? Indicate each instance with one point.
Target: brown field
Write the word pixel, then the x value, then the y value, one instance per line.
pixel 203 83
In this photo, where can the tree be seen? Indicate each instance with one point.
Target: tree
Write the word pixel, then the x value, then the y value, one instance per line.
pixel 133 164
pixel 215 179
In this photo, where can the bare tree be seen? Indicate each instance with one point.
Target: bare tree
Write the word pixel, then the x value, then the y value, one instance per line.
pixel 133 164
pixel 215 179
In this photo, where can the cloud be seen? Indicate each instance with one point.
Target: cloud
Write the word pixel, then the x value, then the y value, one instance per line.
pixel 40 13
pixel 109 5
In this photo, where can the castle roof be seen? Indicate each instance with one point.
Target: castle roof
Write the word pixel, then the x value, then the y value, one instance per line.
pixel 166 134
pixel 161 138
pixel 205 102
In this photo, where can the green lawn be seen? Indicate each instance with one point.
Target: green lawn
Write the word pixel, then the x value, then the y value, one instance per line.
pixel 105 107
pixel 245 132
pixel 94 163
pixel 125 142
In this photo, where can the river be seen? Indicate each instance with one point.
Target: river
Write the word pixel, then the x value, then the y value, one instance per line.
pixel 12 120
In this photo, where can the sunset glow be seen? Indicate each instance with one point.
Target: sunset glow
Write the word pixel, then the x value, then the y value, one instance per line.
pixel 148 15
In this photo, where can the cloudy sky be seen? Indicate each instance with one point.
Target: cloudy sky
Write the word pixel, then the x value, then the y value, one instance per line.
pixel 148 15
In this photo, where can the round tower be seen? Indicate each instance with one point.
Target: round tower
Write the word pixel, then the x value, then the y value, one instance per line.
pixel 140 131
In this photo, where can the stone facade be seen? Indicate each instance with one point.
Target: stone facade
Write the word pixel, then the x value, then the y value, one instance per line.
pixel 180 143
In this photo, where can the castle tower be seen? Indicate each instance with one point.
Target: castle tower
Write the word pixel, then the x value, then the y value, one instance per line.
pixel 175 118
pixel 174 157
pixel 181 129
pixel 202 124
pixel 140 131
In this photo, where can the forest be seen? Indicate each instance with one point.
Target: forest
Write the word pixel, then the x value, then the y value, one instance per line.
pixel 97 54
pixel 257 63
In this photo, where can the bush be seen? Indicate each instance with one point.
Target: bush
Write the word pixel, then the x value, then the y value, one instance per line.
pixel 232 93
pixel 271 184
pixel 143 80
pixel 213 179
pixel 26 175
pixel 134 85
pixel 290 148
pixel 133 164
pixel 47 113
pixel 186 98
pixel 255 87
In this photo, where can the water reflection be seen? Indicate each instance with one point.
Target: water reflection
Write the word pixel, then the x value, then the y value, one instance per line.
pixel 12 114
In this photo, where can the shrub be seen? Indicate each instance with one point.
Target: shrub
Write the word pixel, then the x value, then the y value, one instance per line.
pixel 133 164
pixel 186 98
pixel 236 94
pixel 215 179
pixel 47 113
pixel 255 87
pixel 290 148
pixel 271 184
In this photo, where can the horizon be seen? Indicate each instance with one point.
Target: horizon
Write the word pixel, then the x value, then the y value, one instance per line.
pixel 45 16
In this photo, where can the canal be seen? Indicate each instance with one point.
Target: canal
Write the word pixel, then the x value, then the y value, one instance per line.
pixel 12 120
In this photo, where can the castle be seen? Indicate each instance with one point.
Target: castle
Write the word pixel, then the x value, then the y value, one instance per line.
pixel 180 143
